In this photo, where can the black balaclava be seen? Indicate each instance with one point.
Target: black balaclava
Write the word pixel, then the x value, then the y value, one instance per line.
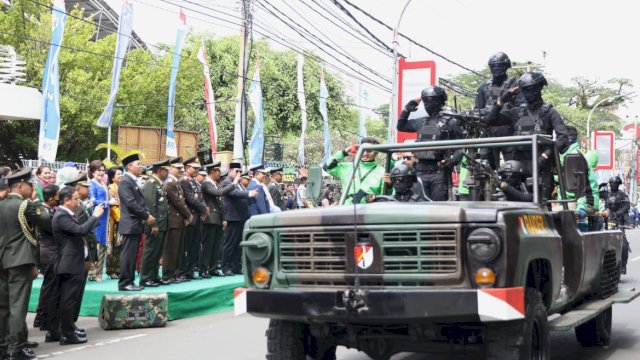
pixel 432 105
pixel 533 96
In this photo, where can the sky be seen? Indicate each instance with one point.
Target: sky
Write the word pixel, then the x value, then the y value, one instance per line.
pixel 589 39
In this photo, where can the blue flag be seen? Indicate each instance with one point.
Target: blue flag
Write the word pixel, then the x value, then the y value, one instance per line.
pixel 122 44
pixel 171 147
pixel 256 147
pixel 50 121
pixel 324 94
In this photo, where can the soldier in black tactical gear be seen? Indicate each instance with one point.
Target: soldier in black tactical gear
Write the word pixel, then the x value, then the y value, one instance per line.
pixel 533 117
pixel 407 187
pixel 489 93
pixel 618 210
pixel 512 181
pixel 433 167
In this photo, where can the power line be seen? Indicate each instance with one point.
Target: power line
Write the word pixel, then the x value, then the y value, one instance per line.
pixel 410 39
pixel 346 11
pixel 323 43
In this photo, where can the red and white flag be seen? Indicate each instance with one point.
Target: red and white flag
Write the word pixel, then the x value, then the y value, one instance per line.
pixel 208 95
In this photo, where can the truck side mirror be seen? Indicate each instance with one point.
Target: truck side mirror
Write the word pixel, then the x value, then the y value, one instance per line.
pixel 575 171
pixel 314 182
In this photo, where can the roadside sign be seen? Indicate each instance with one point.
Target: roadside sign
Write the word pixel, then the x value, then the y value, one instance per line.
pixel 604 145
pixel 413 76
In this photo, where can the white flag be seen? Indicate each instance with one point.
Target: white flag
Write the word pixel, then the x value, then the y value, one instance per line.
pixel 303 108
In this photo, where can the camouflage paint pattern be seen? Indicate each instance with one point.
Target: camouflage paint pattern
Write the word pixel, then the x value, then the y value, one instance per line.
pixel 133 311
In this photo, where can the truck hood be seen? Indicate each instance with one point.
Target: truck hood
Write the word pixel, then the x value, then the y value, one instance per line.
pixel 388 213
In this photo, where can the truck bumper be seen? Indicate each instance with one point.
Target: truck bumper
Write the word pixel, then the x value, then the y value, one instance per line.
pixel 384 306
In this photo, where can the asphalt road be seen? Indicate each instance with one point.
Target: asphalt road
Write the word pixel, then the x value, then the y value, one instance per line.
pixel 223 336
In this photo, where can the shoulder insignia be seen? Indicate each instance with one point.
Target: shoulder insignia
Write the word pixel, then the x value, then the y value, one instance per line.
pixel 38 212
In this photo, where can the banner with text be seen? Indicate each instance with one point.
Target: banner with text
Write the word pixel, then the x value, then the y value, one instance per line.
pixel 256 146
pixel 172 149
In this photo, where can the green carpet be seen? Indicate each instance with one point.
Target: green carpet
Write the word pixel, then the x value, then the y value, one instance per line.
pixel 189 299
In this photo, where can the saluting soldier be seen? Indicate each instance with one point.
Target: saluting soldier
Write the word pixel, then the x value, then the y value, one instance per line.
pixel 155 197
pixel 193 231
pixel 179 216
pixel 18 217
pixel 275 188
pixel 212 233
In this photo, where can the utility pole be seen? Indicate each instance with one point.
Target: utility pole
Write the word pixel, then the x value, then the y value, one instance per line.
pixel 240 121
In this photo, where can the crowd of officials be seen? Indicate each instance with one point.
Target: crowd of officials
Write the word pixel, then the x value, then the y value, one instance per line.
pixel 173 221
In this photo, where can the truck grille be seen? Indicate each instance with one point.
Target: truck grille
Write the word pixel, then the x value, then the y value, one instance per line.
pixel 423 251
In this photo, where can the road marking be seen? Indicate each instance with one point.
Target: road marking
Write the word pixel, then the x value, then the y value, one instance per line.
pixel 636 258
pixel 88 346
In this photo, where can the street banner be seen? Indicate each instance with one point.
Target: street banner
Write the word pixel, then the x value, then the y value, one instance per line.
pixel 172 149
pixel 50 121
pixel 211 106
pixel 324 95
pixel 122 44
pixel 303 108
pixel 413 76
pixel 363 96
pixel 256 146
pixel 604 142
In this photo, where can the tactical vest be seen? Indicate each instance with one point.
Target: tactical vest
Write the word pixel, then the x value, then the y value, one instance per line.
pixel 613 200
pixel 530 122
pixel 433 129
pixel 493 92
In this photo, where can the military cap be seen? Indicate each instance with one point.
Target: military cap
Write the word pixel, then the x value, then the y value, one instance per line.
pixel 214 165
pixel 235 165
pixel 224 173
pixel 129 159
pixel 245 174
pixel 177 162
pixel 22 175
pixel 80 180
pixel 202 171
pixel 192 161
pixel 275 170
pixel 259 168
pixel 160 164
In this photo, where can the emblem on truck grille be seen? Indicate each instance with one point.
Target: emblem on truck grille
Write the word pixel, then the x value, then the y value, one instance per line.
pixel 363 255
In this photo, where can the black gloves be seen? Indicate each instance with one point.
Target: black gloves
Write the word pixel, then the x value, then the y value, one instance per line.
pixel 449 162
pixel 506 97
pixel 542 162
pixel 411 106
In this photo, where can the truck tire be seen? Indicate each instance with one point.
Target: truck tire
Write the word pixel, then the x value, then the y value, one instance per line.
pixel 287 340
pixel 597 331
pixel 526 339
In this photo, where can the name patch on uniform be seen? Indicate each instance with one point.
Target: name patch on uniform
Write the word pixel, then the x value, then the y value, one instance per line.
pixel 533 225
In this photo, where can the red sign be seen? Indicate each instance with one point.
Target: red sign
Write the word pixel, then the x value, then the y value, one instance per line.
pixel 413 76
pixel 603 143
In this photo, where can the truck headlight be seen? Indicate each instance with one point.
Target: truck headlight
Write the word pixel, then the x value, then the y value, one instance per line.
pixel 483 244
pixel 258 247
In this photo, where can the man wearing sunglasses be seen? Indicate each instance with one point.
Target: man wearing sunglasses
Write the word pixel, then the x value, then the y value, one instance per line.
pixel 369 177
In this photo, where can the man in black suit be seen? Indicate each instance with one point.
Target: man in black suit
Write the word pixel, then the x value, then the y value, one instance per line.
pixel 133 213
pixel 212 225
pixel 275 188
pixel 199 210
pixel 236 212
pixel 72 262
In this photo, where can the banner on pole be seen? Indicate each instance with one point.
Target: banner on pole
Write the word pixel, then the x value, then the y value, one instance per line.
pixel 256 146
pixel 171 148
pixel 303 108
pixel 122 45
pixel 209 98
pixel 363 97
pixel 50 121
pixel 413 76
pixel 324 95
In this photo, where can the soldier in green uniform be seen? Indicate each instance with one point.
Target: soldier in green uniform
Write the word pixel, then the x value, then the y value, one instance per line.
pixel 18 218
pixel 155 197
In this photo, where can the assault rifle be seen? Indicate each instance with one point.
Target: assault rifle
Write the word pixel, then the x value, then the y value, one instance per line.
pixel 473 123
pixel 482 179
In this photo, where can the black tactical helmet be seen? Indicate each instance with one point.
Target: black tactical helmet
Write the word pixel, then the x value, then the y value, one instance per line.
pixel 532 79
pixel 512 167
pixel 403 172
pixel 431 93
pixel 615 180
pixel 499 59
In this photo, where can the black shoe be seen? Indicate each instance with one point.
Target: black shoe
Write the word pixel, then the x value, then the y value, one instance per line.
pixel 205 275
pixel 217 272
pixel 131 288
pixel 73 339
pixel 228 272
pixel 23 354
pixel 31 344
pixel 177 280
pixel 80 334
pixel 149 283
pixel 51 337
pixel 184 278
pixel 164 282
pixel 37 322
pixel 193 277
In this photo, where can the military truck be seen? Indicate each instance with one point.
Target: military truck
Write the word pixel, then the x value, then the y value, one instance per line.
pixel 393 277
